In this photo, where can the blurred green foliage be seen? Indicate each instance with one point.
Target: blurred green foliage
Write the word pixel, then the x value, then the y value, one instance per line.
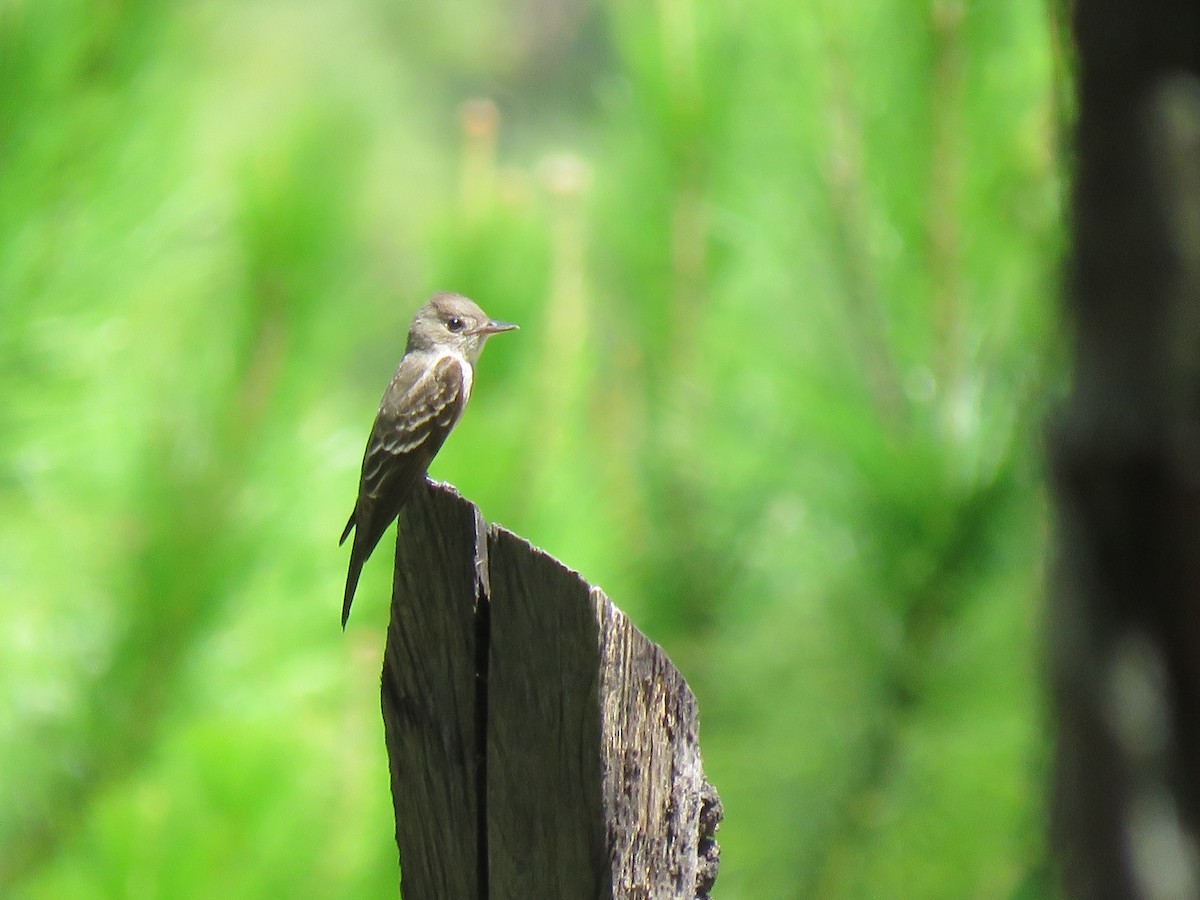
pixel 786 275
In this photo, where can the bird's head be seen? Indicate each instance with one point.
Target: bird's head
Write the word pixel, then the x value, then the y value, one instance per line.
pixel 452 322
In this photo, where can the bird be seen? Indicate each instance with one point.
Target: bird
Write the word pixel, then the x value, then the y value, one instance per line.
pixel 419 409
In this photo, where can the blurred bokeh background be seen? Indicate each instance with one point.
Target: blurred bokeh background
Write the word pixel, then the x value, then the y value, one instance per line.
pixel 787 276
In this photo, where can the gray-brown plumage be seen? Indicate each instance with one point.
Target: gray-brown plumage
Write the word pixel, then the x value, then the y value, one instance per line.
pixel 420 407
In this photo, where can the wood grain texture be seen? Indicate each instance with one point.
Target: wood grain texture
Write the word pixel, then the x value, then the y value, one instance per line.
pixel 429 696
pixel 540 745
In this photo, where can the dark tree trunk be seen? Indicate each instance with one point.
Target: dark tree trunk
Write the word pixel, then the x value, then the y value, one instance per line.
pixel 1124 629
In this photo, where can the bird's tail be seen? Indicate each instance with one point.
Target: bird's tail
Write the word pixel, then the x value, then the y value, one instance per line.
pixel 349 527
pixel 356 567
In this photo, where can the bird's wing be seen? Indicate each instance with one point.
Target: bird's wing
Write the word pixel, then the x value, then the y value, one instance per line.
pixel 412 424
pixel 418 411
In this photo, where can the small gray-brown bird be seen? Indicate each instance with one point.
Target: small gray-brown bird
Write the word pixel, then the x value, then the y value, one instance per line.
pixel 420 407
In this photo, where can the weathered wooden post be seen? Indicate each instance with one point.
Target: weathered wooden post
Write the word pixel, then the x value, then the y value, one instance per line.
pixel 539 744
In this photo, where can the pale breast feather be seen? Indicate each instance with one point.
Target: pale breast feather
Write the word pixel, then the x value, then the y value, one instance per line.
pixel 466 374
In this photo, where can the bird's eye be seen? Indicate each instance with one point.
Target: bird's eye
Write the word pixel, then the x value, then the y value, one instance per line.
pixel 455 324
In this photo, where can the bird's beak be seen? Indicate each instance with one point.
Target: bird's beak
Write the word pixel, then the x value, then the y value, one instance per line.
pixel 493 327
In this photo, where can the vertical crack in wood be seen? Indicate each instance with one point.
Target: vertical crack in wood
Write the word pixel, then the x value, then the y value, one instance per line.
pixel 483 642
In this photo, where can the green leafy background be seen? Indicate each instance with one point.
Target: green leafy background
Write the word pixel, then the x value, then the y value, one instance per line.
pixel 787 276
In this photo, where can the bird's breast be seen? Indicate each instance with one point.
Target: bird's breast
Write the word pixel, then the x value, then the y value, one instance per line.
pixel 468 375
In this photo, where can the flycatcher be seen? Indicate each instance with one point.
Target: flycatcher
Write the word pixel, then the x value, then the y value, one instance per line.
pixel 419 409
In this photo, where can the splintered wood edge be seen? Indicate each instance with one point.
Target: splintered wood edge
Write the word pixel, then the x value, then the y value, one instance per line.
pixel 653 772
